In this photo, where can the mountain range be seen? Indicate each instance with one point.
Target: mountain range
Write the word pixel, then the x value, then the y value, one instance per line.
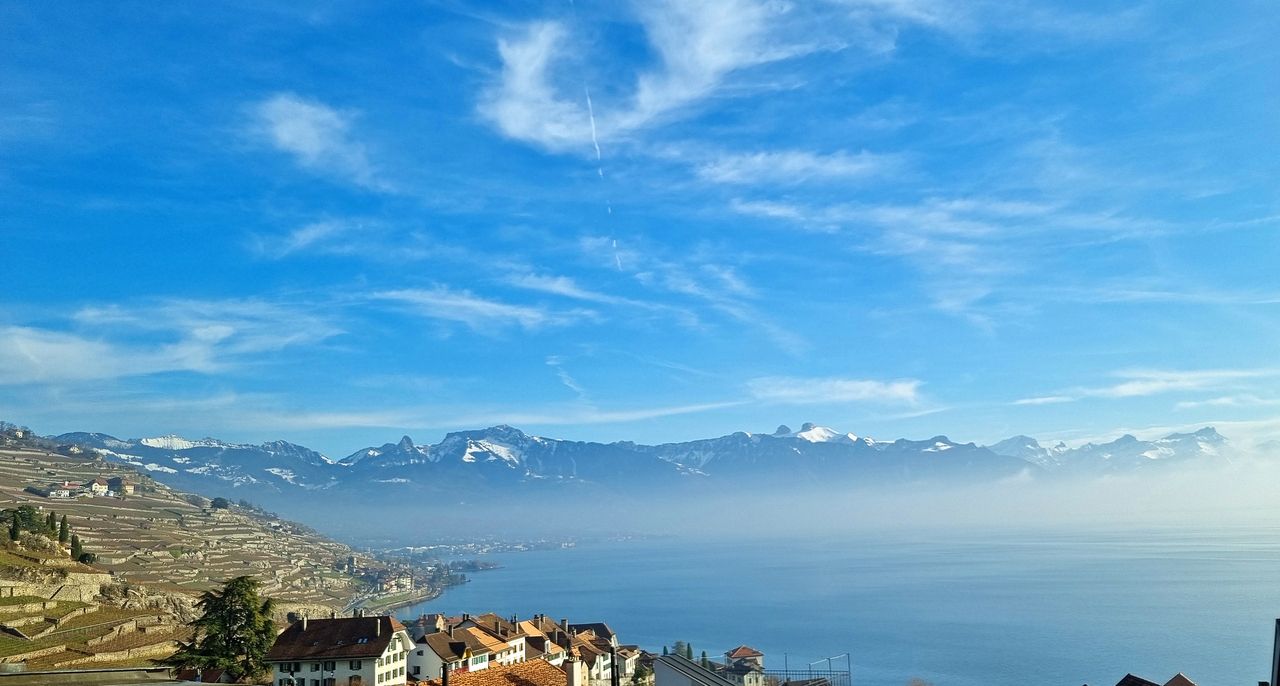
pixel 505 460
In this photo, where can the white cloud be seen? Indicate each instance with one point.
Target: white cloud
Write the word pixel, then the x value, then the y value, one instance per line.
pixel 697 45
pixel 317 136
pixel 327 235
pixel 200 336
pixel 1145 382
pixel 480 314
pixel 1135 383
pixel 804 391
pixel 1242 400
pixel 795 166
pixel 1045 400
pixel 564 286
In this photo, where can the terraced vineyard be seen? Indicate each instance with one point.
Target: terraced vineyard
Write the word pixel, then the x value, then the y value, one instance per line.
pixel 157 549
pixel 169 541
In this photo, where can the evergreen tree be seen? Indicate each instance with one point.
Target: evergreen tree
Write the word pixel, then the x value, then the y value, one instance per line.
pixel 704 659
pixel 688 651
pixel 76 550
pixel 664 650
pixel 234 633
pixel 64 532
pixel 14 531
pixel 51 523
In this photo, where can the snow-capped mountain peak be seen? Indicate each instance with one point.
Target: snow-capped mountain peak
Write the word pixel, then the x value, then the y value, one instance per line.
pixel 817 434
pixel 174 442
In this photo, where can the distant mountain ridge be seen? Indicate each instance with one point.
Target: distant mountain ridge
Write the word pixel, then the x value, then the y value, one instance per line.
pixel 503 459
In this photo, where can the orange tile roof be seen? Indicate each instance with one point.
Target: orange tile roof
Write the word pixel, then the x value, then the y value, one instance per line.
pixel 744 651
pixel 532 673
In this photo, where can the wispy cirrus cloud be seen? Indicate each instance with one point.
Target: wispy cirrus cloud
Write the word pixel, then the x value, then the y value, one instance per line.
pixel 326 235
pixel 796 166
pixel 792 390
pixel 318 137
pixel 478 313
pixel 179 335
pixel 1136 383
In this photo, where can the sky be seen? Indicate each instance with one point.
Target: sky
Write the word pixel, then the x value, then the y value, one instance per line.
pixel 339 222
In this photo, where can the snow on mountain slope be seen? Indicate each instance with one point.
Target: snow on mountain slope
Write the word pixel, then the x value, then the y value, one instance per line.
pixel 172 442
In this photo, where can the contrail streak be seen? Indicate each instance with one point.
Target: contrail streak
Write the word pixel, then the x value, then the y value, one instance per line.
pixel 591 115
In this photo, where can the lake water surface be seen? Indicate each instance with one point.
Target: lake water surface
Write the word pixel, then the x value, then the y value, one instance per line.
pixel 954 609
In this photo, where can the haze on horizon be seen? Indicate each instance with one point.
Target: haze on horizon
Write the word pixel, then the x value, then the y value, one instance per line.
pixel 640 221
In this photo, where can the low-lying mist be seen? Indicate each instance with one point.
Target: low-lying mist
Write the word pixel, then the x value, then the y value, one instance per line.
pixel 1242 493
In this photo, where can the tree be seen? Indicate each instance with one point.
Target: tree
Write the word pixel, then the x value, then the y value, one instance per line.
pixel 641 674
pixel 234 632
pixel 64 532
pixel 51 523
pixel 76 549
pixel 704 659
pixel 221 504
pixel 664 650
pixel 14 530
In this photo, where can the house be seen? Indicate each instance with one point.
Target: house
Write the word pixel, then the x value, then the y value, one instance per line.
pixel 97 486
pixel 120 485
pixel 461 649
pixel 595 653
pixel 346 651
pixel 502 630
pixel 597 628
pixel 62 491
pixel 743 665
pixel 538 645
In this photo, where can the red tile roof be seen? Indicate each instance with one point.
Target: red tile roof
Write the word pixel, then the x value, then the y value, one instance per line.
pixel 743 652
pixel 532 673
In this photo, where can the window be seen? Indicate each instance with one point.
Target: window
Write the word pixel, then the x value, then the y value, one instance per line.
pixel 315 666
pixel 419 652
pixel 356 665
pixel 417 669
pixel 330 666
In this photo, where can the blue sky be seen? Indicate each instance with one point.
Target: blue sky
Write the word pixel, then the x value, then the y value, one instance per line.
pixel 649 221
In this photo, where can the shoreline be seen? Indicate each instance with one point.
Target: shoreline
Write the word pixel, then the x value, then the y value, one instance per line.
pixel 390 607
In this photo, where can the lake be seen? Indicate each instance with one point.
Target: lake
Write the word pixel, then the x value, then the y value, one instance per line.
pixel 960 609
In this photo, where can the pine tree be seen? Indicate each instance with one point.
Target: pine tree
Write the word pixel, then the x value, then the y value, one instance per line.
pixel 234 633
pixel 15 532
pixel 64 532
pixel 688 651
pixel 76 550
pixel 51 523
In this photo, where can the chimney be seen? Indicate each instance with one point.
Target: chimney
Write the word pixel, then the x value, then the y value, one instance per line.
pixel 573 671
pixel 444 674
pixel 449 628
pixel 333 614
pixel 304 622
pixel 465 616
pixel 564 624
pixel 377 631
